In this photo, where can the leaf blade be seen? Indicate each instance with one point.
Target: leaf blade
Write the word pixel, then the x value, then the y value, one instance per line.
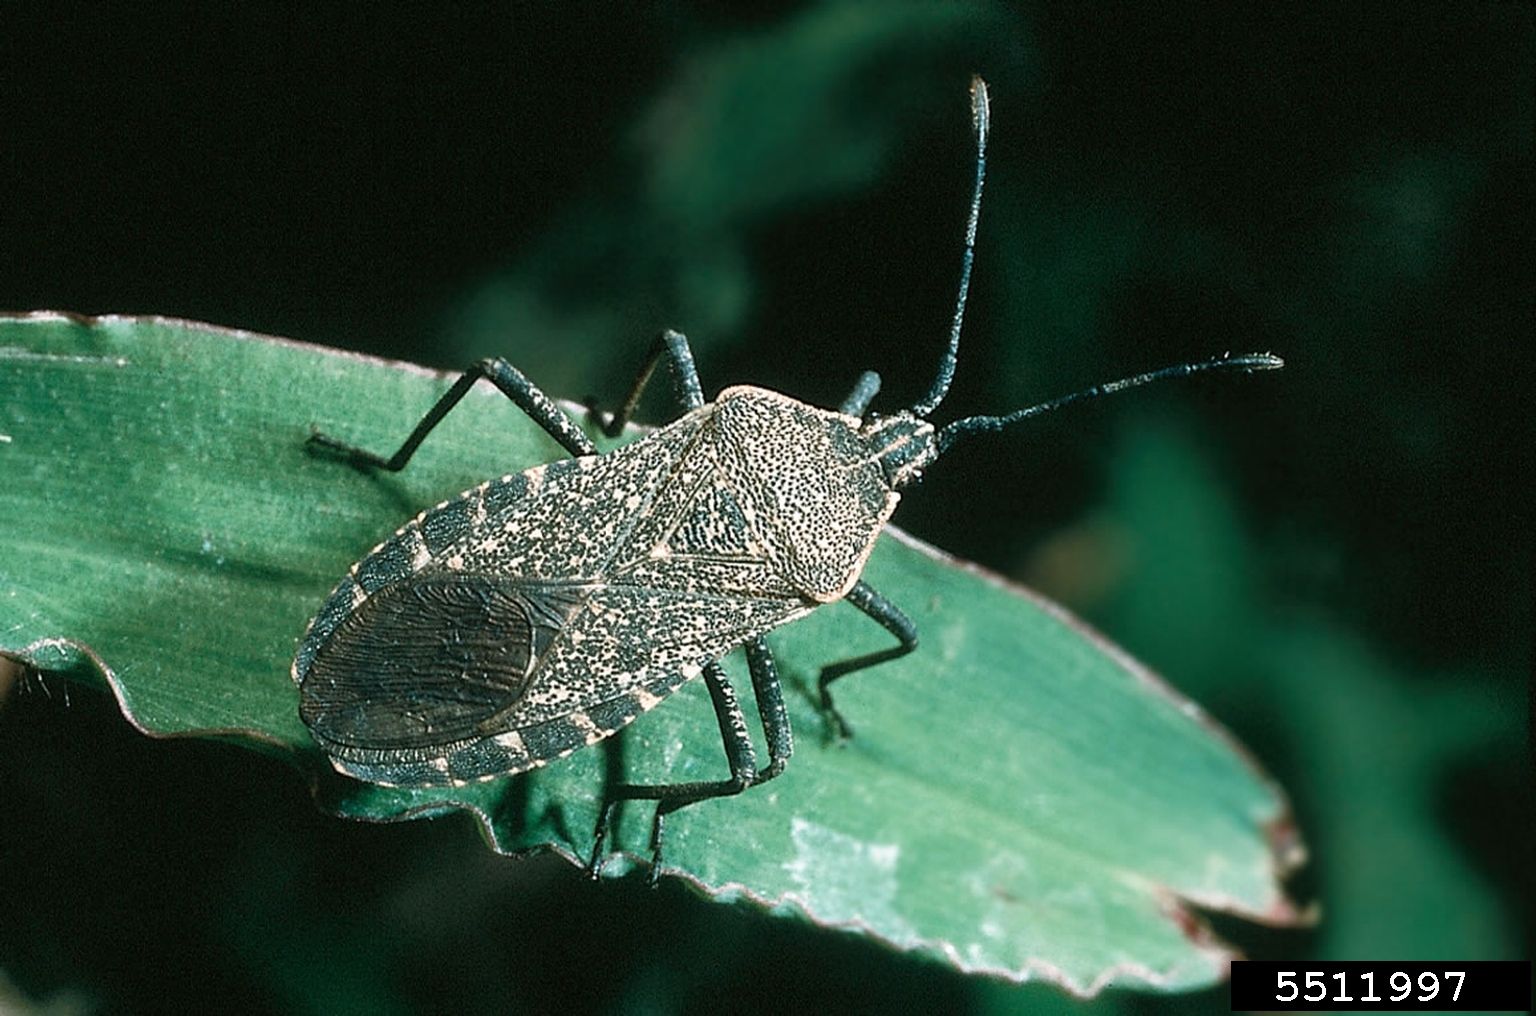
pixel 1023 800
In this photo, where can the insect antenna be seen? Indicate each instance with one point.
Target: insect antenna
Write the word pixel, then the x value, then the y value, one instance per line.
pixel 980 121
pixel 1248 362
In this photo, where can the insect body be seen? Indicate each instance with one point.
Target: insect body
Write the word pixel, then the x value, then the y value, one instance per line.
pixel 541 612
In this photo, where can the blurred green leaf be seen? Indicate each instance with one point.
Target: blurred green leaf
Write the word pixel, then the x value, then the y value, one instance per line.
pixel 1022 800
pixel 1371 760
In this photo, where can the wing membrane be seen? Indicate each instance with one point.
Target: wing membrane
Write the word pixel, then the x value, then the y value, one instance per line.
pixel 423 662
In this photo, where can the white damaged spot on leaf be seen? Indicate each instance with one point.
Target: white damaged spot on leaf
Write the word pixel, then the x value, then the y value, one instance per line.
pixel 844 877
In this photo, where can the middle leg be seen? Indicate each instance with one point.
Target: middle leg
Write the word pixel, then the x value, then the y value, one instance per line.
pixel 739 755
pixel 738 749
pixel 888 616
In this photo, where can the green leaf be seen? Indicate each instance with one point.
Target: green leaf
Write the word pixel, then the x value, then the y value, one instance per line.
pixel 1021 799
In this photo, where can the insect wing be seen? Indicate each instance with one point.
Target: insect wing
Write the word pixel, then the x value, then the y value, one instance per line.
pixel 423 661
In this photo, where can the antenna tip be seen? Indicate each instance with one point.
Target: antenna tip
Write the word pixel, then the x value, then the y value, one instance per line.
pixel 981 114
pixel 1254 361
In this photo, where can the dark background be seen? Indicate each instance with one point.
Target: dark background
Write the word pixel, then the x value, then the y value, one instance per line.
pixel 1335 560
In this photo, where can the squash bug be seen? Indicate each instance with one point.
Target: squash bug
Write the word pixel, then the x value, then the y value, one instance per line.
pixel 543 611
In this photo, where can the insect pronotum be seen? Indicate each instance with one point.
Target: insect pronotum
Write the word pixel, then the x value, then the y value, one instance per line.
pixel 543 611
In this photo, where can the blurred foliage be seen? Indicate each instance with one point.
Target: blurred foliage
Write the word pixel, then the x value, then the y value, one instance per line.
pixel 1347 186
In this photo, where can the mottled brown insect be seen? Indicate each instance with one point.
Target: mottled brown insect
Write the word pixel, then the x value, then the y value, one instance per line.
pixel 543 611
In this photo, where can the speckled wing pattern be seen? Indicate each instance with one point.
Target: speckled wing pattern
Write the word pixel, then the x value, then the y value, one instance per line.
pixel 538 613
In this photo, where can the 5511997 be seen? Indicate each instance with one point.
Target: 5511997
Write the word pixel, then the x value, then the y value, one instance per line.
pixel 1363 986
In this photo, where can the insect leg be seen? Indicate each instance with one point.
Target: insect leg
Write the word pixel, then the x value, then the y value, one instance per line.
pixel 512 383
pixel 864 391
pixel 685 380
pixel 770 708
pixel 672 796
pixel 889 617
